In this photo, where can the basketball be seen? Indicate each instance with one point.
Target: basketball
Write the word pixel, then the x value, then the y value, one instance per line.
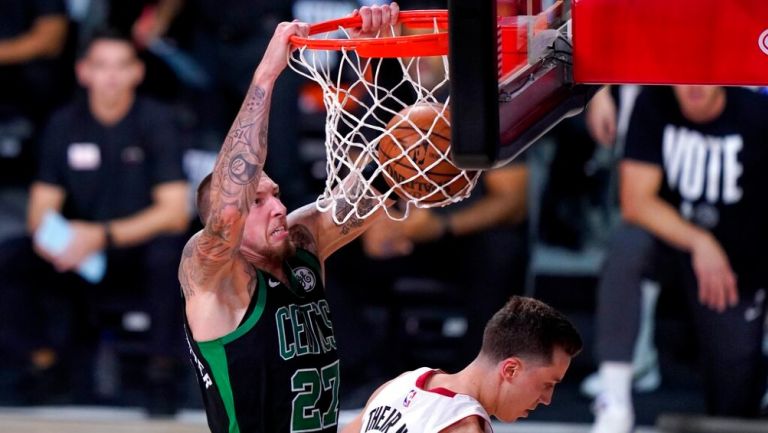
pixel 419 136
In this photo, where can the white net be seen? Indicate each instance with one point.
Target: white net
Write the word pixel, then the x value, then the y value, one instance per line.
pixel 386 119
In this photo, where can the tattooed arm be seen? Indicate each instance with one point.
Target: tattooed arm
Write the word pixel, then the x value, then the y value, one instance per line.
pixel 235 178
pixel 317 231
pixel 241 160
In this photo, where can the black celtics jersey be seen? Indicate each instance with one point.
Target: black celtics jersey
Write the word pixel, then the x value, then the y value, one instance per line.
pixel 278 372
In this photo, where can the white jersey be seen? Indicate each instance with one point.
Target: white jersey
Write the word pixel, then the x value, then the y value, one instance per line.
pixel 404 406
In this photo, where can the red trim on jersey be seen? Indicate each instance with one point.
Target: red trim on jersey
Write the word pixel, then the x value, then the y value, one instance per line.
pixel 422 381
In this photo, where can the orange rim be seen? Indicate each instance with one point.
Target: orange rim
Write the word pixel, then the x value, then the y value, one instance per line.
pixel 435 44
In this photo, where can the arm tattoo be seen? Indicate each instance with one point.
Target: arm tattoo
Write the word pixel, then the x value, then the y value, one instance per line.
pixel 241 159
pixel 351 224
pixel 343 207
pixel 184 271
pixel 255 99
pixel 242 171
pixel 202 258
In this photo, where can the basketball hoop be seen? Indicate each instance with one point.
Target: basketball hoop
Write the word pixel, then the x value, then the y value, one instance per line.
pixel 364 106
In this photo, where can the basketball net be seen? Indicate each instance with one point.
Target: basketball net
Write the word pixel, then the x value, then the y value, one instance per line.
pixel 360 100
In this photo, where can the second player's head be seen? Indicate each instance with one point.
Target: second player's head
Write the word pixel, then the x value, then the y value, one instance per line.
pixel 529 346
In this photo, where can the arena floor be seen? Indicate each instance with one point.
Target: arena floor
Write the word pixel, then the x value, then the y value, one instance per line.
pixel 113 420
pixel 78 419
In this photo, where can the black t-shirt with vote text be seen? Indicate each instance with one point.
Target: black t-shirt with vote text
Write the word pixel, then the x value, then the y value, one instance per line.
pixel 715 173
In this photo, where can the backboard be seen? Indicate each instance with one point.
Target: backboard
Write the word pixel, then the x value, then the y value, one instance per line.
pixel 511 76
pixel 520 66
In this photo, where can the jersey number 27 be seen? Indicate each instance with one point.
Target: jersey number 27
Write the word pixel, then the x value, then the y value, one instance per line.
pixel 310 384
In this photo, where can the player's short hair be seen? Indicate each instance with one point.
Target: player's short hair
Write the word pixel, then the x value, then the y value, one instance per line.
pixel 526 327
pixel 203 198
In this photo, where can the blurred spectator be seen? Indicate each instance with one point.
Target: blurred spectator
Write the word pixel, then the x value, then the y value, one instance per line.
pixel 477 248
pixel 692 205
pixel 607 118
pixel 32 35
pixel 602 118
pixel 111 165
pixel 91 15
pixel 227 38
pixel 577 181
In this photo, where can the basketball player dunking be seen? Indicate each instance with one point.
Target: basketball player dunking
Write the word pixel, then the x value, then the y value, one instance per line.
pixel 257 322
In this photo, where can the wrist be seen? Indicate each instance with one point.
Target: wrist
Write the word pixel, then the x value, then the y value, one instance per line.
pixel 265 77
pixel 446 228
pixel 700 238
pixel 108 240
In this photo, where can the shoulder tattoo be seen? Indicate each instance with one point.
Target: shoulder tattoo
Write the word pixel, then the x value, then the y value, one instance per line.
pixel 185 268
pixel 301 237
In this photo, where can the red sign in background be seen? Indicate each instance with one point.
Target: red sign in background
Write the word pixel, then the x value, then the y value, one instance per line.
pixel 671 41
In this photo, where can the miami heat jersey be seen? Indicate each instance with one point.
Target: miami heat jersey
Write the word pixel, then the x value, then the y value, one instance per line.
pixel 404 406
pixel 278 372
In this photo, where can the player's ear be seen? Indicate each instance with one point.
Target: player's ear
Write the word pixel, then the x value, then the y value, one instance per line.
pixel 511 368
pixel 137 72
pixel 83 72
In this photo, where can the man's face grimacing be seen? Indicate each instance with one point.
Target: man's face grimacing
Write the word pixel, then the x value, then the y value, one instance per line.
pixel 529 382
pixel 265 235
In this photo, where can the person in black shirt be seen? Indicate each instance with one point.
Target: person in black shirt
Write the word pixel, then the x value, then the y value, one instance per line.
pixel 258 324
pixel 692 200
pixel 32 38
pixel 111 165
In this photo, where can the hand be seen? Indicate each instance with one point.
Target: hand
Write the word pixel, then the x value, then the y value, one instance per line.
pixel 424 225
pixel 601 118
pixel 376 19
pixel 276 55
pixel 87 238
pixel 148 27
pixel 385 239
pixel 43 253
pixel 717 282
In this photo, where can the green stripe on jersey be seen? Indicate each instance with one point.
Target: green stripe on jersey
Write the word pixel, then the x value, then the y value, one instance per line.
pixel 213 351
pixel 308 257
pixel 261 301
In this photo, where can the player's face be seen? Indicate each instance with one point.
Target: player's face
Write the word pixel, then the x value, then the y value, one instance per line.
pixel 532 384
pixel 699 103
pixel 266 227
pixel 110 69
